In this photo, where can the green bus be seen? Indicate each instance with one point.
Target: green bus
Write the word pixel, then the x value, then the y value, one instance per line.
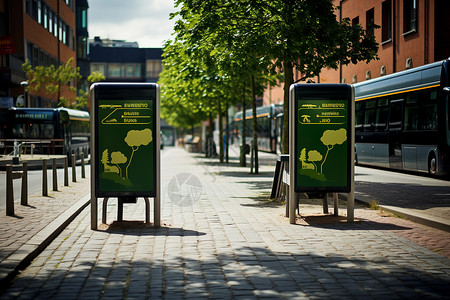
pixel 51 130
pixel 402 120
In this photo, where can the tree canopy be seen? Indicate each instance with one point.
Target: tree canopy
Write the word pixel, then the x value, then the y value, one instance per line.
pixel 251 36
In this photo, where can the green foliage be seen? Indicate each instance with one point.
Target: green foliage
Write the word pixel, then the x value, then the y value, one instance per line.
pixel 96 76
pixel 242 37
pixel 51 79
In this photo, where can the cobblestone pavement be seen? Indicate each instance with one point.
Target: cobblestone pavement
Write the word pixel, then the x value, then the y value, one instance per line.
pixel 16 230
pixel 229 241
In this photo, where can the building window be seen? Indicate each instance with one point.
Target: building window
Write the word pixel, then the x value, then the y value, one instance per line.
pixel 154 67
pixel 84 18
pixel 98 68
pixel 370 22
pixel 50 21
pixel 386 22
pixel 39 12
pixel 114 70
pixel 45 13
pixel 55 23
pixel 355 21
pixel 409 16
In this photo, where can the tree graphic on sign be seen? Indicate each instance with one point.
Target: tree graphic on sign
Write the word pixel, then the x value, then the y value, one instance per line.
pixel 135 139
pixel 330 138
pixel 118 158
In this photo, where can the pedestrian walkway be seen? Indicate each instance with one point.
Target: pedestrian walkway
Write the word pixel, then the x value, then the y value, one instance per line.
pixel 222 238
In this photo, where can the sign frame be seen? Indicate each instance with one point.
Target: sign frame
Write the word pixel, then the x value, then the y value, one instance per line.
pixel 315 100
pixel 113 108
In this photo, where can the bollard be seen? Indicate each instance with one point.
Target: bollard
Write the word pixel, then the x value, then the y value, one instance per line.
pixel 74 170
pixel 66 171
pixel 9 191
pixel 83 171
pixel 55 176
pixel 44 178
pixel 24 195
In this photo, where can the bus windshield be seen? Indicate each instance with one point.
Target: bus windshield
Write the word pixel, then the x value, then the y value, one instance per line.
pixel 28 130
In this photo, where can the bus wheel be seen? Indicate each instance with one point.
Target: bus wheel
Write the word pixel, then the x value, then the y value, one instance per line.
pixel 432 164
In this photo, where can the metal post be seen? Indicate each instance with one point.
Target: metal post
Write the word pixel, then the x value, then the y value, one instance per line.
pixel 9 191
pixel 74 170
pixel 119 209
pixel 351 195
pixel 24 195
pixel 44 178
pixel 147 210
pixel 292 161
pixel 55 176
pixel 83 171
pixel 336 204
pixel 66 171
pixel 325 203
pixel 104 210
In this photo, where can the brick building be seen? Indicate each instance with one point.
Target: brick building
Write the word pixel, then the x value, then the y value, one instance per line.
pixel 42 31
pixel 412 33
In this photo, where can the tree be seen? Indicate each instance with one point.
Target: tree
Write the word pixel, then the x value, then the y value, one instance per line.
pixel 330 138
pixel 135 139
pixel 224 51
pixel 304 35
pixel 50 80
pixel 118 158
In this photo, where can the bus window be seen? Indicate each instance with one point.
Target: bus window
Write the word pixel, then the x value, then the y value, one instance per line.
pixel 382 114
pixel 359 116
pixel 428 112
pixel 370 116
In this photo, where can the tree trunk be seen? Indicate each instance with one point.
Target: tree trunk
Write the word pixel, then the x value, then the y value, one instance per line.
pixel 243 159
pixel 255 123
pixel 227 135
pixel 221 154
pixel 289 79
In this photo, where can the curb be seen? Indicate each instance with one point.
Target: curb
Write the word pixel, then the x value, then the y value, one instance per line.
pixel 35 245
pixel 417 217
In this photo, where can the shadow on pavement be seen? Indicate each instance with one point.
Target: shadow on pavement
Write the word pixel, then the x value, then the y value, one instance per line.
pixel 142 228
pixel 246 272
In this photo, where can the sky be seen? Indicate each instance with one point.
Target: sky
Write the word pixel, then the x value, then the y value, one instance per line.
pixel 143 21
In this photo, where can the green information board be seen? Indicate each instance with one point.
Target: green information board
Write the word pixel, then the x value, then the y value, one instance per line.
pixel 126 138
pixel 322 137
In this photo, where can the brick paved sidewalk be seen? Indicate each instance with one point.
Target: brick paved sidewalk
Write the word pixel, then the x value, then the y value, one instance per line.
pixel 228 241
pixel 28 230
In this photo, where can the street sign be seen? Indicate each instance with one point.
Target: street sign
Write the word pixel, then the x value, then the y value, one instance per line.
pixel 322 144
pixel 126 137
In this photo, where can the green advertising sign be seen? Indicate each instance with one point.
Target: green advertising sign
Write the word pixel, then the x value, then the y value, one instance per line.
pixel 125 141
pixel 322 137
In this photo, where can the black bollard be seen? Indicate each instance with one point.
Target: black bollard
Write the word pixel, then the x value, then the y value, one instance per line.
pixel 9 191
pixel 55 176
pixel 44 178
pixel 24 195
pixel 74 170
pixel 66 171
